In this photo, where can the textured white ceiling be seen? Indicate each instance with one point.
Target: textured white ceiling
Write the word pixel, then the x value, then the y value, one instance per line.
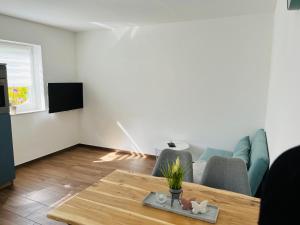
pixel 78 15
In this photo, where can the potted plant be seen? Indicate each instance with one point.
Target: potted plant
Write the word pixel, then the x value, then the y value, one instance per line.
pixel 17 96
pixel 174 173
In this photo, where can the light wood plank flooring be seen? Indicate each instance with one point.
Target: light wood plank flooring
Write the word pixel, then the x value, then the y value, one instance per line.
pixel 45 183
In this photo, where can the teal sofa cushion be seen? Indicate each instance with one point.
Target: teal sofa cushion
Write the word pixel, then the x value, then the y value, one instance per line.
pixel 259 160
pixel 242 150
pixel 214 152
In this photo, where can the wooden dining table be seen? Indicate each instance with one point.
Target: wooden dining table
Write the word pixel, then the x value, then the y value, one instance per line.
pixel 118 199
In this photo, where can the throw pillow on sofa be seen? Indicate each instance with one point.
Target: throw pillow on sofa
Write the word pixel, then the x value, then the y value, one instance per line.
pixel 242 150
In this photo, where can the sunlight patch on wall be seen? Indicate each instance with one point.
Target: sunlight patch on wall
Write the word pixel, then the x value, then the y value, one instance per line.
pixel 119 29
pixel 134 31
pixel 133 142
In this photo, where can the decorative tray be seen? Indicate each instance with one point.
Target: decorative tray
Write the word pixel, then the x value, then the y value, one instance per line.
pixel 210 217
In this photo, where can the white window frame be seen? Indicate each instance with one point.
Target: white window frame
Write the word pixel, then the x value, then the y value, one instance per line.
pixel 37 94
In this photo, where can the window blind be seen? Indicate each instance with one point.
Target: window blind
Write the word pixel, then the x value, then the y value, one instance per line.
pixel 19 64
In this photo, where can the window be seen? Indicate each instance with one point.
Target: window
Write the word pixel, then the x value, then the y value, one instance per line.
pixel 24 76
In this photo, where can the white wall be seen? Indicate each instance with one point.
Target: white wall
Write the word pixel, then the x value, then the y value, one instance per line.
pixel 38 134
pixel 204 82
pixel 283 117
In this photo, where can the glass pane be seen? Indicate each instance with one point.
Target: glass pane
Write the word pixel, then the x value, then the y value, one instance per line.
pixel 18 95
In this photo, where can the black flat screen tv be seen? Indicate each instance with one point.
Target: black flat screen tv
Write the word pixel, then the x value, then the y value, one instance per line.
pixel 65 96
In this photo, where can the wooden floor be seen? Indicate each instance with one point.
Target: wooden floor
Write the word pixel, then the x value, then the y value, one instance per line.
pixel 43 184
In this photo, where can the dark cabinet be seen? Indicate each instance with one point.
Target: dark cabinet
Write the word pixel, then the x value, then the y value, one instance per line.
pixel 7 166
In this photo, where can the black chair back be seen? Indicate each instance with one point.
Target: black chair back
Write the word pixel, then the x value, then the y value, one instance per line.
pixel 280 200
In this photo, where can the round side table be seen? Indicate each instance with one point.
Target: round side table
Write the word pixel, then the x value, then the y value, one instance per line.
pixel 179 146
